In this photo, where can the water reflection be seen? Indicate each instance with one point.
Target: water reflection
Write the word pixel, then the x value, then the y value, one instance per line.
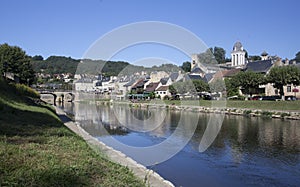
pixel 247 151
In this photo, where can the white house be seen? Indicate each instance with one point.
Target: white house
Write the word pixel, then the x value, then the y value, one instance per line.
pixel 163 91
pixel 85 85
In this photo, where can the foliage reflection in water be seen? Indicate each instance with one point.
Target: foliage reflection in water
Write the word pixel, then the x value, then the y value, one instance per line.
pixel 247 151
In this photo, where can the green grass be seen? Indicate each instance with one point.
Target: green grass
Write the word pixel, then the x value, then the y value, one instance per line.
pixel 266 105
pixel 36 149
pixel 262 105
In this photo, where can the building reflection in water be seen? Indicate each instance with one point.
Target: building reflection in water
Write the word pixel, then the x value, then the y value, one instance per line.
pixel 238 137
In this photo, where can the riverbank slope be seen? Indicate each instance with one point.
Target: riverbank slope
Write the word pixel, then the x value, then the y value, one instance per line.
pixel 36 149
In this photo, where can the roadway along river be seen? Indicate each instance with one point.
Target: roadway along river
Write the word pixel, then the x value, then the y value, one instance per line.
pixel 246 152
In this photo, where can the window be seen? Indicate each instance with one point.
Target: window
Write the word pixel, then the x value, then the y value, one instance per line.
pixel 289 89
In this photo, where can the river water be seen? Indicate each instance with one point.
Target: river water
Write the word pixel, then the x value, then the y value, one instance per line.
pixel 248 151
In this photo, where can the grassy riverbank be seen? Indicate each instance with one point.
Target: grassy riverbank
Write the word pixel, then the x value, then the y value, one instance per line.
pixel 36 149
pixel 258 105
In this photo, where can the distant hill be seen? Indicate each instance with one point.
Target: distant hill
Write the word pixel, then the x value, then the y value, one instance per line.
pixel 55 65
pixel 60 64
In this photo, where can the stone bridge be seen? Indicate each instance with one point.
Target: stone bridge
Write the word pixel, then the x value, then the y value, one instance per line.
pixel 60 96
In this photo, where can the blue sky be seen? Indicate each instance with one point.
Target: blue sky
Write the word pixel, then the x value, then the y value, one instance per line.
pixel 70 27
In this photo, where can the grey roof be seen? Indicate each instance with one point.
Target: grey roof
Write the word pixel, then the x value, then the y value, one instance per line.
pixel 127 79
pixel 209 76
pixel 261 66
pixel 105 79
pixel 293 62
pixel 238 46
pixel 264 53
pixel 164 81
pixel 174 76
pixel 84 80
pixel 297 65
pixel 130 83
pixel 197 70
pixel 196 77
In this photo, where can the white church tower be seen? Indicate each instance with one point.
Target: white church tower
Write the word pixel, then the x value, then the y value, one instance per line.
pixel 195 61
pixel 238 55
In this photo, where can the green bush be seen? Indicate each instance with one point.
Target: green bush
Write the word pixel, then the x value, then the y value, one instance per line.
pixel 26 91
pixel 266 114
pixel 247 112
pixel 282 115
pixel 166 97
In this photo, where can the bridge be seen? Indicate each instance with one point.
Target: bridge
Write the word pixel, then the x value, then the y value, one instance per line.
pixel 60 96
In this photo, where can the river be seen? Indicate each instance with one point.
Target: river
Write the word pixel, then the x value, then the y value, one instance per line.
pixel 248 151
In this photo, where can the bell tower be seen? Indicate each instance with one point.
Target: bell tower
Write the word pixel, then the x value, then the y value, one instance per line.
pixel 238 55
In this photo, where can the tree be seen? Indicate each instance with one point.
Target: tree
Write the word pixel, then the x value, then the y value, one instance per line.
pixel 232 88
pixel 172 90
pixel 14 60
pixel 8 59
pixel 212 56
pixel 207 57
pixel 219 54
pixel 26 74
pixel 254 58
pixel 182 87
pixel 37 58
pixel 281 76
pixel 246 54
pixel 249 81
pixel 186 66
pixel 217 85
pixel 152 95
pixel 200 86
pixel 178 87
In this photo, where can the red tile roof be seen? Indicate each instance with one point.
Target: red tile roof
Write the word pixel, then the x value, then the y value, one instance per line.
pixel 226 73
pixel 151 87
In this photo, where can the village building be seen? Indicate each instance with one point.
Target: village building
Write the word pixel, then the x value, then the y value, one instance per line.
pixel 163 92
pixel 84 84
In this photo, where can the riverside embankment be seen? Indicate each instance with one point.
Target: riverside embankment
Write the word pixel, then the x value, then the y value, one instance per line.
pixel 288 110
pixel 36 149
pixel 149 177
